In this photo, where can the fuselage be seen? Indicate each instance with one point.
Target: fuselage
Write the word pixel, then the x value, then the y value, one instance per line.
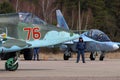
pixel 25 30
pixel 101 46
pixel 95 41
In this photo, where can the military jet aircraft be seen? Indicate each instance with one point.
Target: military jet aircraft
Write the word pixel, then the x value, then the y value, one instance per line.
pixel 24 31
pixel 96 41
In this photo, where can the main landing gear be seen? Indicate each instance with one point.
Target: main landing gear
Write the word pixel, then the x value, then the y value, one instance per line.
pixel 94 54
pixel 102 56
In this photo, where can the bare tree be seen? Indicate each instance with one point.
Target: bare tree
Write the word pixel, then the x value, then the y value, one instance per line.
pixel 17 5
pixel 79 27
pixel 47 9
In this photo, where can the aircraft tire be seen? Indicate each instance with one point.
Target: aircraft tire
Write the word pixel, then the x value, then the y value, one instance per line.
pixel 101 58
pixel 9 64
pixel 91 57
pixel 66 57
pixel 28 54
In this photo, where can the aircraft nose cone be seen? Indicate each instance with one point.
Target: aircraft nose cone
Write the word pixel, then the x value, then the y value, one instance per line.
pixel 115 46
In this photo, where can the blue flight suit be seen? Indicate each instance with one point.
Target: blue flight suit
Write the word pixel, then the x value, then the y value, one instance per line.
pixel 81 46
pixel 36 53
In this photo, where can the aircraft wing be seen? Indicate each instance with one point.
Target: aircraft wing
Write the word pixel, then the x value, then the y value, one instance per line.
pixel 8 43
pixel 85 39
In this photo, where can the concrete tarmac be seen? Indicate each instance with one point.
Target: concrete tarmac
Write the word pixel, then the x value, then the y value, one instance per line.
pixel 109 69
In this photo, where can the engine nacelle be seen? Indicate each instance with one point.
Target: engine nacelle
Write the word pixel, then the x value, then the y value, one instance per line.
pixel 63 47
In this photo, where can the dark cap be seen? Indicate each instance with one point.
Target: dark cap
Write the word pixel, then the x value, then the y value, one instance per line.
pixel 80 38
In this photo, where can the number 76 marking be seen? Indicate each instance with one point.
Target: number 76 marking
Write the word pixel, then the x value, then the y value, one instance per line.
pixel 35 31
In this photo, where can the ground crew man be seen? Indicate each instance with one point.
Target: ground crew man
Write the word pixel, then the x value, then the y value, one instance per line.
pixel 81 48
pixel 36 53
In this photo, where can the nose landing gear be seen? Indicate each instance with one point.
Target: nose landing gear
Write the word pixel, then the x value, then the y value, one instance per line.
pixel 11 64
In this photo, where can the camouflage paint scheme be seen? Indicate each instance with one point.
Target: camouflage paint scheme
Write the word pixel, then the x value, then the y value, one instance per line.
pixel 16 33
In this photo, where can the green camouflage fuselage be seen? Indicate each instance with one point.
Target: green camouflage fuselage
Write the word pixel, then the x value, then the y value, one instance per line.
pixel 21 35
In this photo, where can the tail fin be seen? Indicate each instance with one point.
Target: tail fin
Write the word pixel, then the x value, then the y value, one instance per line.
pixel 61 21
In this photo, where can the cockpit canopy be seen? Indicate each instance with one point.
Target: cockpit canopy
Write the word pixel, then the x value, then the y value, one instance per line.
pixel 30 18
pixel 97 35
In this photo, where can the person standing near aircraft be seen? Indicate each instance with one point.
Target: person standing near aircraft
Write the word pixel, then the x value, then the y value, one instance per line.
pixel 36 53
pixel 81 48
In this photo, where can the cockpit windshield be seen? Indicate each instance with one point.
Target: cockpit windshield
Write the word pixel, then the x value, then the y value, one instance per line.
pixel 97 35
pixel 30 18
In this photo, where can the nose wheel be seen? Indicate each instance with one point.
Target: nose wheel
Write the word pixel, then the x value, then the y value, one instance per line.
pixel 67 55
pixel 11 64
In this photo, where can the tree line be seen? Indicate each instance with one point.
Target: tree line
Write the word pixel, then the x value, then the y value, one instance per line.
pixel 94 14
